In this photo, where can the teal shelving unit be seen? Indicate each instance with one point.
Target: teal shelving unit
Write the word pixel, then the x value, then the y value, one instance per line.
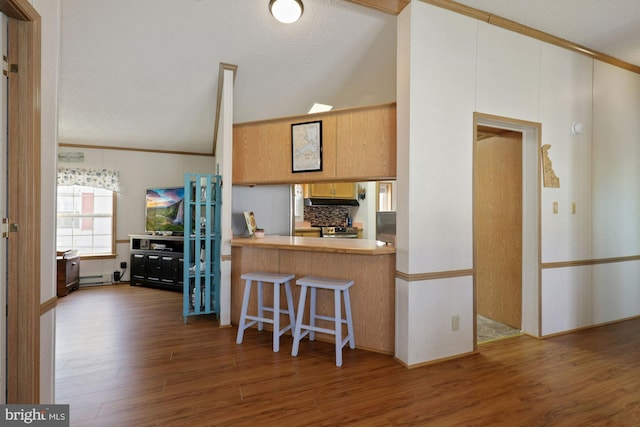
pixel 201 288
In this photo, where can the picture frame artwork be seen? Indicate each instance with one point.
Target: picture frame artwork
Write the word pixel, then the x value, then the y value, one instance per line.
pixel 250 219
pixel 306 146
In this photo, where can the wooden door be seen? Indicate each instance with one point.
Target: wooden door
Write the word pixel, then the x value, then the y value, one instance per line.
pixel 498 225
pixel 24 307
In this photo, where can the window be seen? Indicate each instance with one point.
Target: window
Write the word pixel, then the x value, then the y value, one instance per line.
pixel 85 220
pixel 385 196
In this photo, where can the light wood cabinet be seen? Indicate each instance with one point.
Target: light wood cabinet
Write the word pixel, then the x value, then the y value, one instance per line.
pixel 333 190
pixel 262 152
pixel 357 145
pixel 366 143
pixel 307 233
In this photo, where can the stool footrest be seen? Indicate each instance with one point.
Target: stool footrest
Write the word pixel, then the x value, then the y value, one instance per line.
pixel 318 329
pixel 250 324
pixel 282 331
pixel 257 319
pixel 328 318
pixel 271 310
pixel 345 341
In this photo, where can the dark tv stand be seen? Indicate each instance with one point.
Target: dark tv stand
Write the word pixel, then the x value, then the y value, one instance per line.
pixel 157 261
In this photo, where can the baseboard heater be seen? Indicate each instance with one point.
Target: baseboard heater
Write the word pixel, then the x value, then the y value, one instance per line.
pixel 96 280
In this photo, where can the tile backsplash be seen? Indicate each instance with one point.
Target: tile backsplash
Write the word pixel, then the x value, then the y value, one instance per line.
pixel 326 216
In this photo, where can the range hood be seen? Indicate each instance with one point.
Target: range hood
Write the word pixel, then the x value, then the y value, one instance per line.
pixel 314 201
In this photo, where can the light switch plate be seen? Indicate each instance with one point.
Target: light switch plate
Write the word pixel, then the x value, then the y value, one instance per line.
pixel 455 322
pixel 555 207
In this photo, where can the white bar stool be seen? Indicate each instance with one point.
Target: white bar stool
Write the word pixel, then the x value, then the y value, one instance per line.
pixel 340 288
pixel 276 279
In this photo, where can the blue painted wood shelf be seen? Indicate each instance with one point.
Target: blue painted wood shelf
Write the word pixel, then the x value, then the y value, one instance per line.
pixel 201 287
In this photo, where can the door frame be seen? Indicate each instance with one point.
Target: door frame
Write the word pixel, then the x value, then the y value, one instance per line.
pixel 531 226
pixel 23 201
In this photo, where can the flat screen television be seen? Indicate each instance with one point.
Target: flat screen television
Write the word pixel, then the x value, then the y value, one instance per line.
pixel 164 210
pixel 386 227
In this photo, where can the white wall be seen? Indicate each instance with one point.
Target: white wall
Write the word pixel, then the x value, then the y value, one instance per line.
pixel 49 11
pixel 271 205
pixel 138 171
pixel 616 162
pixel 450 66
pixel 566 299
pixel 365 213
pixel 441 100
pixel 434 180
pixel 616 199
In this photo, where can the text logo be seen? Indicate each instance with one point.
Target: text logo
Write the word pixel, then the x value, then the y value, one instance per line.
pixel 34 415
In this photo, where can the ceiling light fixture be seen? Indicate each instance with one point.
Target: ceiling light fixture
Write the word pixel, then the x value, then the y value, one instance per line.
pixel 286 11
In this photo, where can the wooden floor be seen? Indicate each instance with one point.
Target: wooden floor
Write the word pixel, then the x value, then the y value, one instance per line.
pixel 124 357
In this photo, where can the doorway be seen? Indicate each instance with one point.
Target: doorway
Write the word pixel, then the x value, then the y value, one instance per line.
pixel 506 223
pixel 498 231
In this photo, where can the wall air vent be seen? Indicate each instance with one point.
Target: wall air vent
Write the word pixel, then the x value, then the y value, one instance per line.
pixel 71 157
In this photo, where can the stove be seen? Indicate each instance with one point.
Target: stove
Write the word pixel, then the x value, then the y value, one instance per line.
pixel 339 232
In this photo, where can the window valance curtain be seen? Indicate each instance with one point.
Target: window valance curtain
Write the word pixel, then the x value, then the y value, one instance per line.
pixel 108 179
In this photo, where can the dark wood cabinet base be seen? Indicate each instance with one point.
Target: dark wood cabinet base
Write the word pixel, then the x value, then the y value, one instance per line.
pixel 157 261
pixel 68 278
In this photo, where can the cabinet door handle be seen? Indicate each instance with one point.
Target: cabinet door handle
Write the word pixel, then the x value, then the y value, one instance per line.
pixel 73 263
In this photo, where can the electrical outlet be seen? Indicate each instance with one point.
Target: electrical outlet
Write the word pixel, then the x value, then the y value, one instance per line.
pixel 455 322
pixel 116 276
pixel 123 264
pixel 555 207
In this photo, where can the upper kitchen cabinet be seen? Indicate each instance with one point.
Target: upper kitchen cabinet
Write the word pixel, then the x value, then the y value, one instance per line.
pixel 357 145
pixel 367 143
pixel 333 190
pixel 262 151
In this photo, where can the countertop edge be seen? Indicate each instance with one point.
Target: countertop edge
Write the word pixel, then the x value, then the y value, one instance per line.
pixel 315 244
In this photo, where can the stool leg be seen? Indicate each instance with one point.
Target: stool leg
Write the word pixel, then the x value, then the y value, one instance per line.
pixel 260 306
pixel 347 309
pixel 299 316
pixel 290 307
pixel 338 323
pixel 276 317
pixel 243 312
pixel 312 314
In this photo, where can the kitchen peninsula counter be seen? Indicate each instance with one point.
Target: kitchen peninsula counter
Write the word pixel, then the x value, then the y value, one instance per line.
pixel 370 266
pixel 315 244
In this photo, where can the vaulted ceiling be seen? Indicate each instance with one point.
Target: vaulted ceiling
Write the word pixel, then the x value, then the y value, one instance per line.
pixel 143 74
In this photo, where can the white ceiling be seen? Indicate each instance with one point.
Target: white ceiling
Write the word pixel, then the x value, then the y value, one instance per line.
pixel 144 73
pixel 606 26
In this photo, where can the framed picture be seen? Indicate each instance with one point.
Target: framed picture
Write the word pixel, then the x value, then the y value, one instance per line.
pixel 250 219
pixel 306 146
